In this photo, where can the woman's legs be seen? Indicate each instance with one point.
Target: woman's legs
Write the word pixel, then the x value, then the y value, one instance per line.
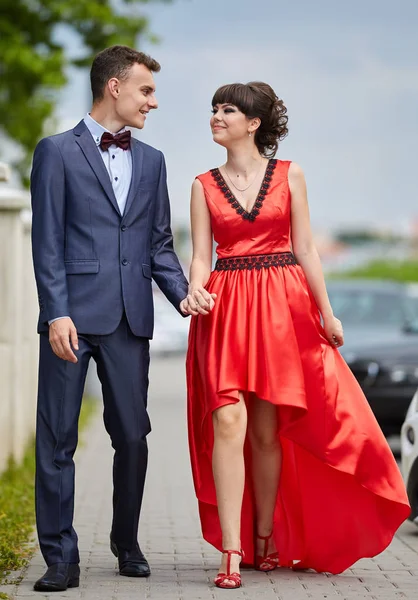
pixel 230 426
pixel 266 465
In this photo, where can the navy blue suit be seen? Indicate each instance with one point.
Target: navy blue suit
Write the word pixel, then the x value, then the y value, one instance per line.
pixel 96 266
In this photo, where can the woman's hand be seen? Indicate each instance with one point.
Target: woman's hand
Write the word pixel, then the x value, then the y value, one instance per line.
pixel 198 301
pixel 334 332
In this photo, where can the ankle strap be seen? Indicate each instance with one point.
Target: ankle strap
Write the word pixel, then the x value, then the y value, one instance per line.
pixel 265 537
pixel 229 552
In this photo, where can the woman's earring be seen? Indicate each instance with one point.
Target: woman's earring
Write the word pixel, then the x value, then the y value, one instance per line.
pixel 250 134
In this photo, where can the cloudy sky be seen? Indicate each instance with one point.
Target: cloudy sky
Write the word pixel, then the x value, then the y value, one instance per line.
pixel 347 71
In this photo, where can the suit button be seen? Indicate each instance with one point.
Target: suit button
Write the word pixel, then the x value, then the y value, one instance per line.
pixel 124 228
pixel 124 262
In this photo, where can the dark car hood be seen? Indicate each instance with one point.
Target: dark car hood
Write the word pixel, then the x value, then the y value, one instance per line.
pixel 379 343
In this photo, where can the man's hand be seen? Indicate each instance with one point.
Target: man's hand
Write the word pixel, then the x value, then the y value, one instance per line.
pixel 63 337
pixel 198 301
pixel 184 307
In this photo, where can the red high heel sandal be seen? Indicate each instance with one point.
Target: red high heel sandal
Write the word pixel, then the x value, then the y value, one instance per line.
pixel 221 579
pixel 267 562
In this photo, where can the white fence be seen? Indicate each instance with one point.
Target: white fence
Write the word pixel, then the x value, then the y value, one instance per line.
pixel 18 316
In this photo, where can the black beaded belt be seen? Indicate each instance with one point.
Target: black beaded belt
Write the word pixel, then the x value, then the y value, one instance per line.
pixel 256 261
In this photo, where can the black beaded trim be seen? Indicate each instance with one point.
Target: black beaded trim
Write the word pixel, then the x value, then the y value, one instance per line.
pixel 255 211
pixel 256 261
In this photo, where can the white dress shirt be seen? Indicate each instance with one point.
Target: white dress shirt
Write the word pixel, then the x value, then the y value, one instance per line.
pixel 118 163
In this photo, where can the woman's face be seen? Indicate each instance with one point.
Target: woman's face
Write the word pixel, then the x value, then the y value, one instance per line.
pixel 228 124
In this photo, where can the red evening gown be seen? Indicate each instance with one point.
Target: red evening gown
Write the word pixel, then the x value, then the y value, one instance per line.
pixel 341 496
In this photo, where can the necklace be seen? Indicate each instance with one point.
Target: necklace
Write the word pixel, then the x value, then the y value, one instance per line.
pixel 248 186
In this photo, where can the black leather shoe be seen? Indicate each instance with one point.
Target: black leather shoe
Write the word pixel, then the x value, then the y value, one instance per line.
pixel 132 563
pixel 58 578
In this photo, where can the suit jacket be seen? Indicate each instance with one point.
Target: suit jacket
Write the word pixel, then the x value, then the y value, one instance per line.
pixel 92 263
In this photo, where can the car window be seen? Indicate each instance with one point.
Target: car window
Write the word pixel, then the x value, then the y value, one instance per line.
pixel 372 307
pixel 412 307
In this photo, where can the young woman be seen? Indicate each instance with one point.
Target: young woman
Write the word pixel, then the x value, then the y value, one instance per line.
pixel 290 466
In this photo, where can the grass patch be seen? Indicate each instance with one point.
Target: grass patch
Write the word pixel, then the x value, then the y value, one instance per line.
pixel 88 408
pixel 17 506
pixel 17 512
pixel 403 271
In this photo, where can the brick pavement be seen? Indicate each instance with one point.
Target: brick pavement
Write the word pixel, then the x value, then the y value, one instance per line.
pixel 182 563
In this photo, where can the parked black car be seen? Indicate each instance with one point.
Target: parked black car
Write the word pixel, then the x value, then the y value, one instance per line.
pixel 380 321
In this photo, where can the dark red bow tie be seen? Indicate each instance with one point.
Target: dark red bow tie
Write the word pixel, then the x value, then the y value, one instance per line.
pixel 123 140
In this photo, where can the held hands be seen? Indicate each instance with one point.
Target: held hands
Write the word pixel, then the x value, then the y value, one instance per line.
pixel 63 338
pixel 198 301
pixel 334 332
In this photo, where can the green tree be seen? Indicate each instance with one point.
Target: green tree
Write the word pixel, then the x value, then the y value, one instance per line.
pixel 33 62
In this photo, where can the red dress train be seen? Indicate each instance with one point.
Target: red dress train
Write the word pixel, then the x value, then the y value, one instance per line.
pixel 341 496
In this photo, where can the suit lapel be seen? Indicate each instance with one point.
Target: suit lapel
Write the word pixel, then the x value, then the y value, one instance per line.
pixel 137 161
pixel 85 141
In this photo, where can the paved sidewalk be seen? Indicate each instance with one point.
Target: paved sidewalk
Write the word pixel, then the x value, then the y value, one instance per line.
pixel 182 564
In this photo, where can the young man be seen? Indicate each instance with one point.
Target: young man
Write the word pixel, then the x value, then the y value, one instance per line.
pixel 101 232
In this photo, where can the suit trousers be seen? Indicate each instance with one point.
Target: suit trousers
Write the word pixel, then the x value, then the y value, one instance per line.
pixel 122 366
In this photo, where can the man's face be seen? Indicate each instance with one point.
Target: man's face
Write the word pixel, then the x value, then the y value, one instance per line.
pixel 136 96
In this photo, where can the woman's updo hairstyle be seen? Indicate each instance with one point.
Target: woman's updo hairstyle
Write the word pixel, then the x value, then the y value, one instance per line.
pixel 258 99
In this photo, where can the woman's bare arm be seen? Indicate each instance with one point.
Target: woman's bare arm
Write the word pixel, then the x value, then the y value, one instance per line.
pixel 307 254
pixel 199 300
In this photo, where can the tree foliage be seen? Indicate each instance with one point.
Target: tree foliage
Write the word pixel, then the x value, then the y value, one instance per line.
pixel 34 61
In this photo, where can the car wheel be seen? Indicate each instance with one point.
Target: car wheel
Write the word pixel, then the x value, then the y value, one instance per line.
pixel 412 489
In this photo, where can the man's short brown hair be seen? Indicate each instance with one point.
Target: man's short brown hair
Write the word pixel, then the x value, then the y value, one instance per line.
pixel 116 61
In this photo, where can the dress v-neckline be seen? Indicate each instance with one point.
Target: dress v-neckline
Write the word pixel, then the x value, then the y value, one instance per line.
pixel 258 203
